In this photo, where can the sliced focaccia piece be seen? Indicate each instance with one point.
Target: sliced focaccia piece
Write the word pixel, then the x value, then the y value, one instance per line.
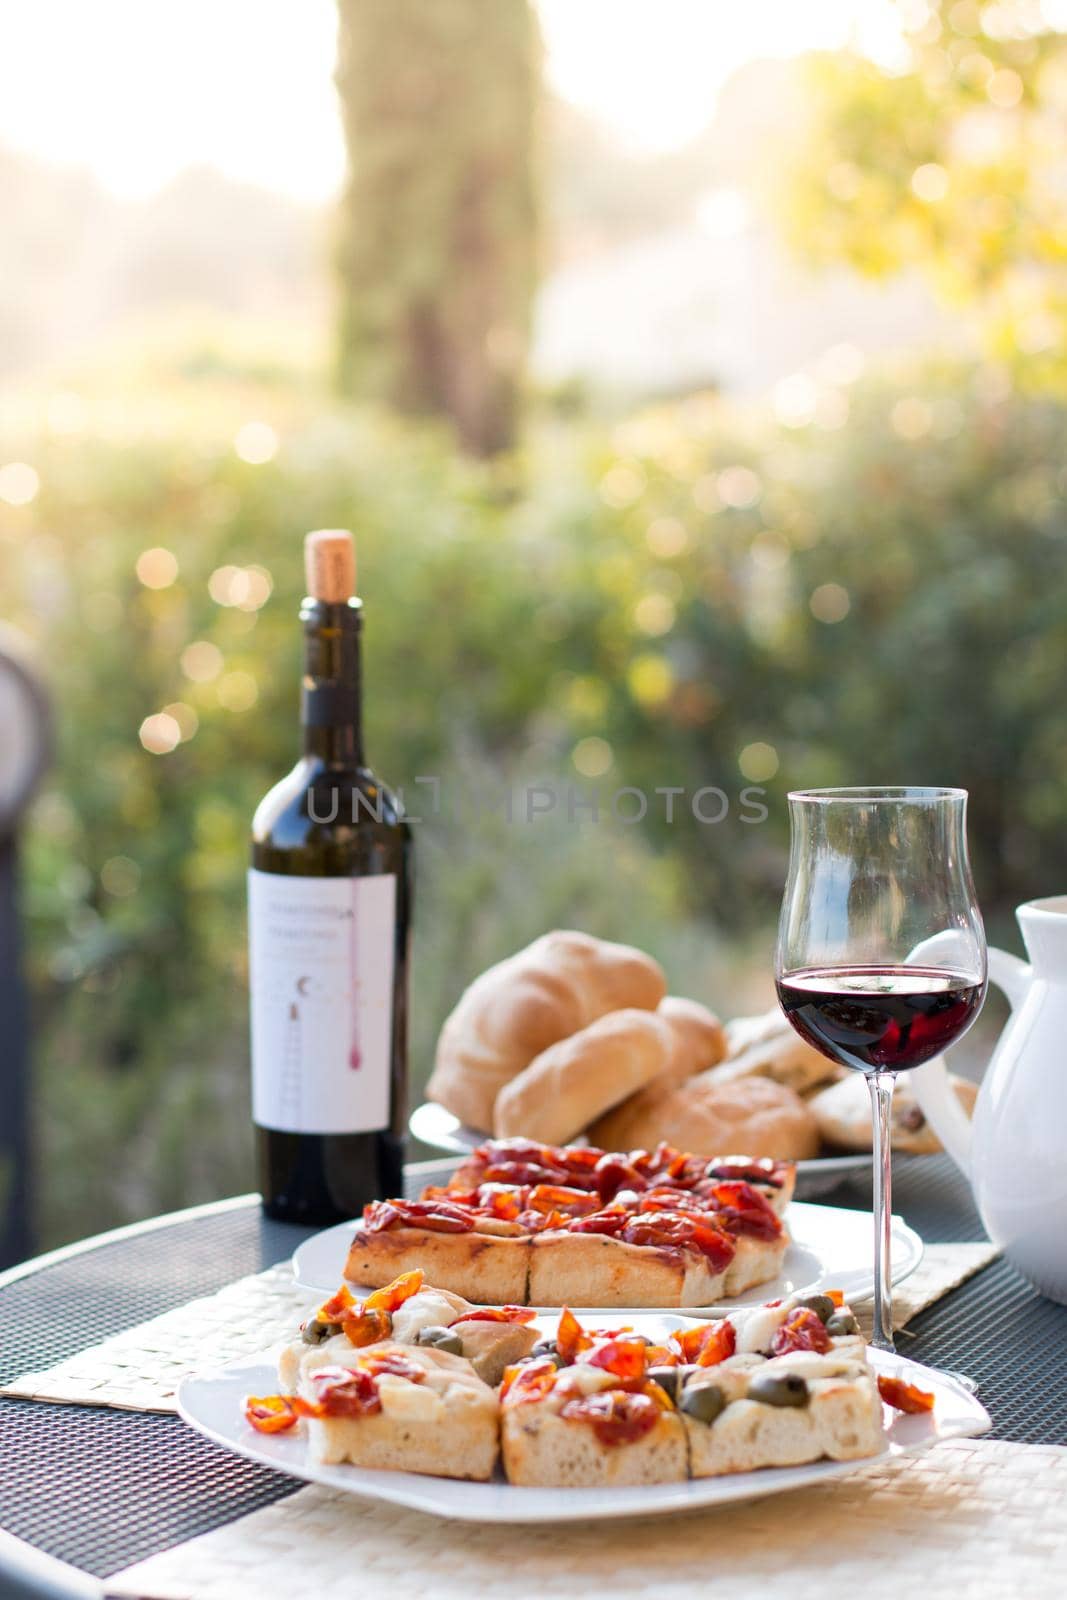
pixel 777 1386
pixel 791 1409
pixel 402 1408
pixel 596 1421
pixel 410 1312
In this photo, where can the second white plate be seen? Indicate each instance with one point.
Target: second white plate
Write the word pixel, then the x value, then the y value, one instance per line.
pixel 831 1248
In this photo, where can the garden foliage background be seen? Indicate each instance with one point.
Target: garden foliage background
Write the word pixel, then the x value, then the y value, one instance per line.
pixel 863 581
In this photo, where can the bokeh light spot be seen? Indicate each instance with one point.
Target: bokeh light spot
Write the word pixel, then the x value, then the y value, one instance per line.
pixel 651 680
pixel 184 716
pixel 157 568
pixel 120 876
pixel 238 691
pixel 738 487
pixel 830 603
pixel 256 443
pixel 654 614
pixel 202 661
pixel 160 734
pixel 929 182
pixel 592 757
pixel 667 537
pixel 19 483
pixel 758 762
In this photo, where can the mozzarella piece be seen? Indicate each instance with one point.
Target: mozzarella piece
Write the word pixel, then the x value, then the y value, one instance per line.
pixel 756 1328
pixel 403 1401
pixel 427 1309
pixel 583 1379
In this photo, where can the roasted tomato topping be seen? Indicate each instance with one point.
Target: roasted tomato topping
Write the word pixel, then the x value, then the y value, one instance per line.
pixel 610 1222
pixel 341 1392
pixel 626 1359
pixel 674 1230
pixel 366 1327
pixel 338 1305
pixel 271 1413
pixel 743 1210
pixel 571 1337
pixel 393 1295
pixel 612 1173
pixel 707 1343
pixel 546 1197
pixel 393 1363
pixel 763 1171
pixel 530 1381
pixel 518 1314
pixel 803 1329
pixel 501 1200
pixel 616 1417
pixel 904 1396
pixel 439 1216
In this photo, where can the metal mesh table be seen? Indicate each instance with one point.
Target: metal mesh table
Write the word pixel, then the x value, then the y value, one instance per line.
pixel 96 1489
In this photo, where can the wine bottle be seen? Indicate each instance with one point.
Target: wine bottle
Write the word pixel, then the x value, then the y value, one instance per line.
pixel 329 905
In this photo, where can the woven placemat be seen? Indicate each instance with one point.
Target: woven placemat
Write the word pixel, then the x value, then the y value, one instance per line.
pixel 140 1370
pixel 972 1518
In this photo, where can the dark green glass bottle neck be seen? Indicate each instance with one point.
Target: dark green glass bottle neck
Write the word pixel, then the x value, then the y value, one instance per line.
pixel 330 702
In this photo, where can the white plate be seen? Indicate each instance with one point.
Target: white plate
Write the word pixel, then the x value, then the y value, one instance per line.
pixel 435 1126
pixel 831 1248
pixel 212 1404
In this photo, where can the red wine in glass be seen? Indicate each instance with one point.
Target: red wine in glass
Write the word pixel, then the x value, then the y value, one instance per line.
pixel 883 1019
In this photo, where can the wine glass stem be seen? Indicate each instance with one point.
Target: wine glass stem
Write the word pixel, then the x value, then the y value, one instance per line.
pixel 881 1086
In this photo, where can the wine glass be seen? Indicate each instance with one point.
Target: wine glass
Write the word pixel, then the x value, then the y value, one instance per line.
pixel 881 959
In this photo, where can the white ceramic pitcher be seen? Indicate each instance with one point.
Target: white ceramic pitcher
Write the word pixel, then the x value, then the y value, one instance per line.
pixel 1015 1151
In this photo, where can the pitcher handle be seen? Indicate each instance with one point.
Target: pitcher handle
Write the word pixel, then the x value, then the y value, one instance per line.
pixel 931 1085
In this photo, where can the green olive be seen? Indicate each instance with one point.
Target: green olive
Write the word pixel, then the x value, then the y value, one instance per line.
pixel 703 1402
pixel 821 1304
pixel 667 1378
pixel 779 1389
pixel 440 1339
pixel 315 1331
pixel 840 1323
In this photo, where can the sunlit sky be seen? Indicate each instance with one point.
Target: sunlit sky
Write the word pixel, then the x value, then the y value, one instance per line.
pixel 137 91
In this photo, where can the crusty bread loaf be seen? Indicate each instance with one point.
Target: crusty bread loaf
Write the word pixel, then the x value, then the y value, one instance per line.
pixel 843 1113
pixel 568 1085
pixel 767 1046
pixel 708 1116
pixel 699 1037
pixel 518 1008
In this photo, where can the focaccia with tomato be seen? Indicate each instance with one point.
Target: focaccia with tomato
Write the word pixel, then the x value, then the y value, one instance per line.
pixel 589 1417
pixel 549 1226
pixel 777 1386
pixel 402 1408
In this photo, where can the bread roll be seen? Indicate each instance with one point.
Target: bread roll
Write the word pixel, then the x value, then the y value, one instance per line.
pixel 556 986
pixel 767 1046
pixel 699 1037
pixel 568 1085
pixel 749 1116
pixel 843 1113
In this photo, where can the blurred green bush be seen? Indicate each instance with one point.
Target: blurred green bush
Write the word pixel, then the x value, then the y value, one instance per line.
pixel 694 596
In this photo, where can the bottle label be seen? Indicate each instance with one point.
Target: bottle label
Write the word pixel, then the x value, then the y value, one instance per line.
pixel 321 965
